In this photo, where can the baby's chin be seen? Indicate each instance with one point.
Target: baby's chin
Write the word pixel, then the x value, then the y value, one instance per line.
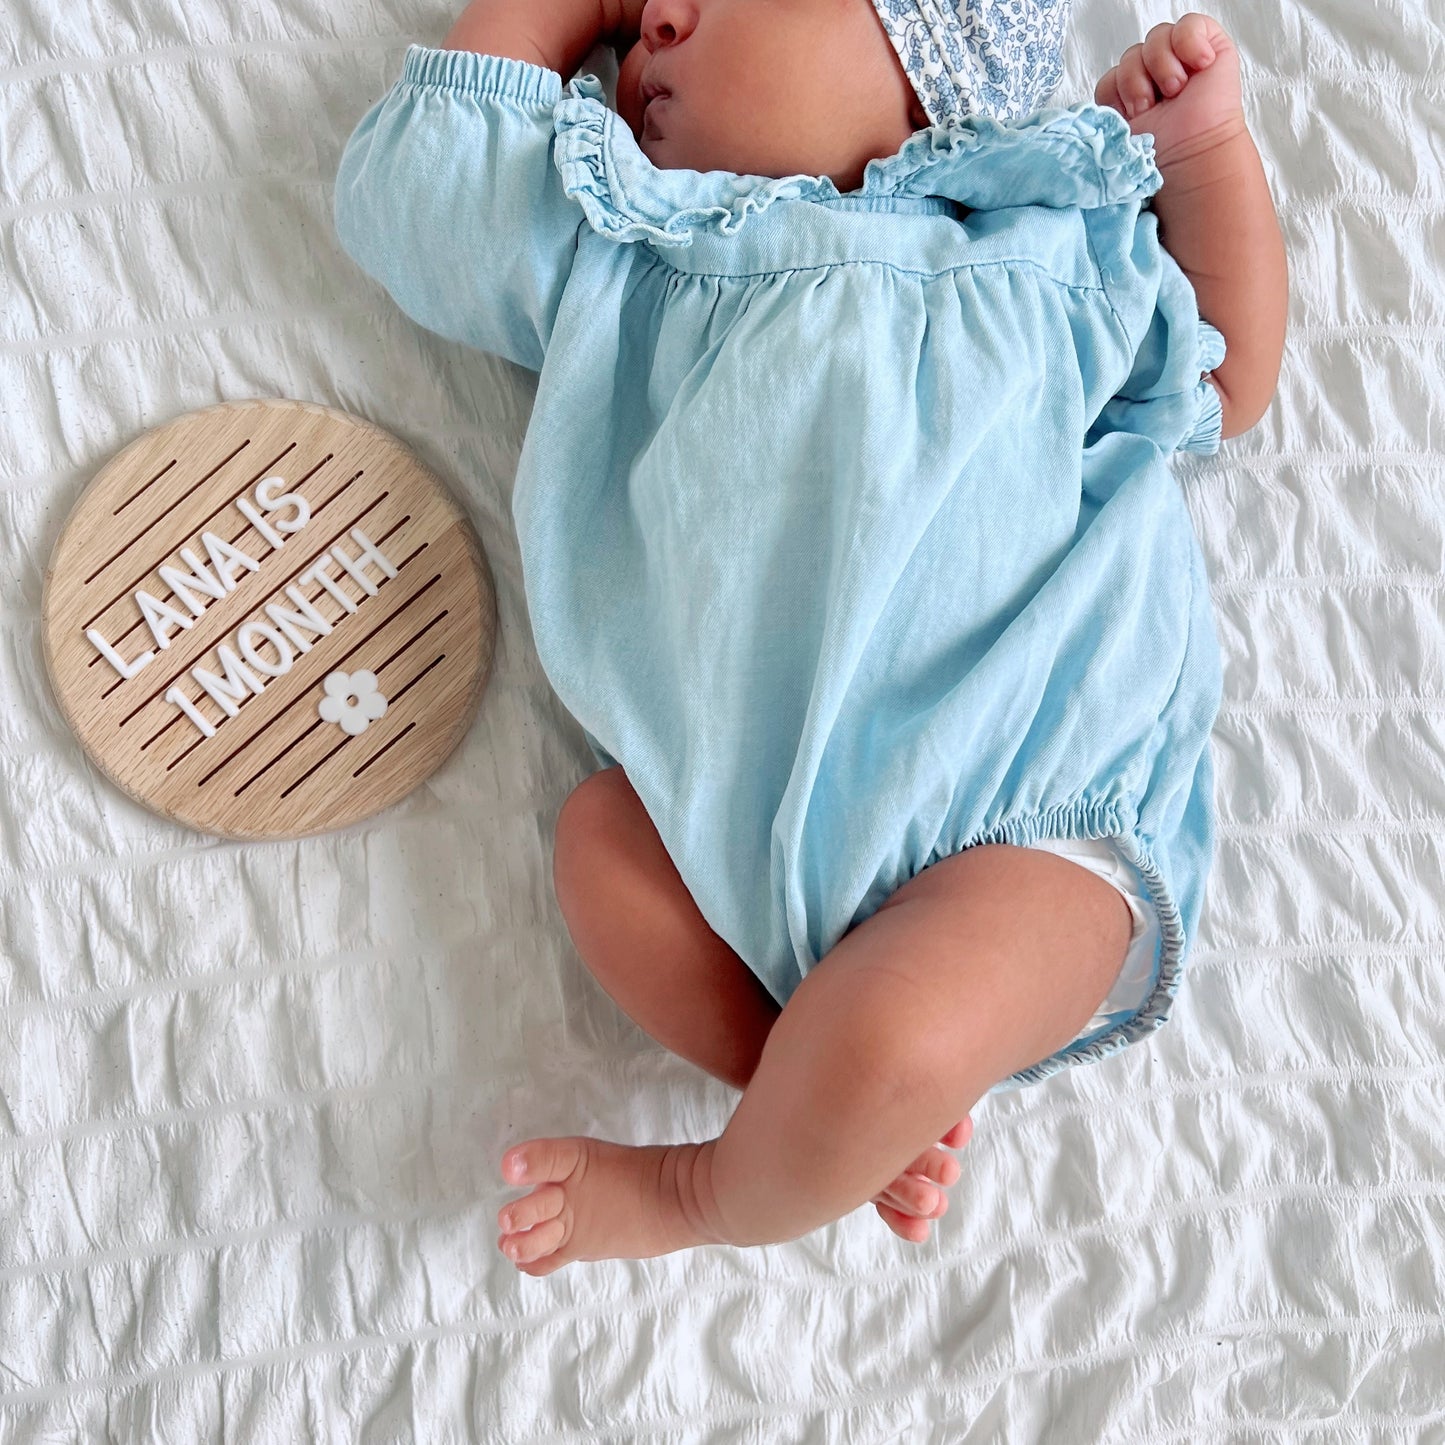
pixel 656 148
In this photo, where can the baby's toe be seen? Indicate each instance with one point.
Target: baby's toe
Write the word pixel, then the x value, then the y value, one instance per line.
pixel 536 1243
pixel 959 1135
pixel 541 1204
pixel 539 1160
pixel 938 1166
pixel 905 1226
pixel 914 1195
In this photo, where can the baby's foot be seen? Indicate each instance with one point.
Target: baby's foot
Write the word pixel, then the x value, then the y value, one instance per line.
pixel 908 1204
pixel 597 1200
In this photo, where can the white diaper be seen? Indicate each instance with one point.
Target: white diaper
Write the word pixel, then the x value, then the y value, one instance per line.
pixel 1102 856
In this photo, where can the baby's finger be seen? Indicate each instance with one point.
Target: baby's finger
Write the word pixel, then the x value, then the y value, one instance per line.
pixel 1107 91
pixel 1165 68
pixel 1193 40
pixel 1136 89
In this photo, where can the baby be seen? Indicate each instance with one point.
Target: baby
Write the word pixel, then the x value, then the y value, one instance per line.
pixel 849 538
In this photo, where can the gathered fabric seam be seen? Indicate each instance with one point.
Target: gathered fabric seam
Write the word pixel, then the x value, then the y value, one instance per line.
pixel 1103 285
pixel 1010 261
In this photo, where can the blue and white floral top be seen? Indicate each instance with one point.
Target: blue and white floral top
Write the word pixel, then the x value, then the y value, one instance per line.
pixel 846 521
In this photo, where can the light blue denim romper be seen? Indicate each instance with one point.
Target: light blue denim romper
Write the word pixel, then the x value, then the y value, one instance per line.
pixel 846 521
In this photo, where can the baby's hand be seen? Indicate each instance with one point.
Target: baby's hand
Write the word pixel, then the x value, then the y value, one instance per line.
pixel 1153 89
pixel 622 23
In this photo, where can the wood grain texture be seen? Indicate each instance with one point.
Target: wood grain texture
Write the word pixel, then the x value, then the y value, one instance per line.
pixel 276 769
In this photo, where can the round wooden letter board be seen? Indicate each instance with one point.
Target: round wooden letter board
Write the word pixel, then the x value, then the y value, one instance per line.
pixel 268 619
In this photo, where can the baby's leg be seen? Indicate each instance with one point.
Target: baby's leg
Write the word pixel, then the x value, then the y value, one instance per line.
pixel 639 931
pixel 982 964
pixel 642 937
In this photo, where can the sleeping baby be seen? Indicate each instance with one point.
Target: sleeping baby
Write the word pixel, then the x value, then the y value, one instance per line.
pixel 849 538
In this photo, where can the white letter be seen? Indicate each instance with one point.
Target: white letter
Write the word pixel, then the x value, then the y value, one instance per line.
pixel 289 621
pixel 253 516
pixel 236 673
pixel 368 553
pixel 283 649
pixel 232 555
pixel 319 573
pixel 158 614
pixel 176 696
pixel 180 583
pixel 114 658
pixel 303 509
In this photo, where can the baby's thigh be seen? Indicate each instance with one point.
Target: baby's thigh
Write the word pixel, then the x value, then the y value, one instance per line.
pixel 631 916
pixel 610 872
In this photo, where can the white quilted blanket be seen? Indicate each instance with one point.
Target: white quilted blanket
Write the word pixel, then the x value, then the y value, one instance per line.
pixel 253 1097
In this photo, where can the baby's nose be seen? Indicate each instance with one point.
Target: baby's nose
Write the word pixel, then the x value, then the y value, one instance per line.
pixel 667 22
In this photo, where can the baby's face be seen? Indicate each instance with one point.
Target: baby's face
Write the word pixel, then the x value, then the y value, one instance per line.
pixel 767 88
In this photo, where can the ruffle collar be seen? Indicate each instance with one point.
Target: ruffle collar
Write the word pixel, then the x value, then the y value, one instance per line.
pixel 1081 156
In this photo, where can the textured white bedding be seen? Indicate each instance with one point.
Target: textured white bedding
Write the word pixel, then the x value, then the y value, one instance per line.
pixel 253 1097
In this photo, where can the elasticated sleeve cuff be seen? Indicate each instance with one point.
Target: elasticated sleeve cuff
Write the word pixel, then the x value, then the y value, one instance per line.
pixel 1208 409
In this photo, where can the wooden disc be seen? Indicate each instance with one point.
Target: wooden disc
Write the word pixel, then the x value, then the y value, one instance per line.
pixel 326 613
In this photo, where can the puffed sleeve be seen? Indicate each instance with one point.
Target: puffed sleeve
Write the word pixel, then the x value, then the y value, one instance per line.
pixel 448 195
pixel 1166 395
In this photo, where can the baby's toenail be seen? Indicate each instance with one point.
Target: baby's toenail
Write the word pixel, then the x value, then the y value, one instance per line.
pixel 506 1221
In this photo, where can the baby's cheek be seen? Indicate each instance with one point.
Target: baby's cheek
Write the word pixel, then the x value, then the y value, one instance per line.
pixel 629 86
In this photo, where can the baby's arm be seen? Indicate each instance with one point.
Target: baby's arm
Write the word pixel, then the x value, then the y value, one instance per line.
pixel 557 34
pixel 1216 215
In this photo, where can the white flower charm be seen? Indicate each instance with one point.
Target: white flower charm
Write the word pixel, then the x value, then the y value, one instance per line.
pixel 337 706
